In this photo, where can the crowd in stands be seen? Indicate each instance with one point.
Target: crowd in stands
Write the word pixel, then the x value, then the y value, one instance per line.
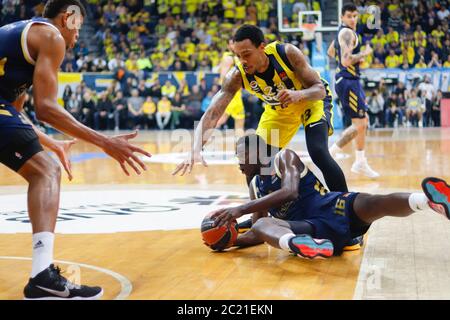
pixel 168 35
pixel 413 34
pixel 137 37
pixel 397 106
pixel 138 106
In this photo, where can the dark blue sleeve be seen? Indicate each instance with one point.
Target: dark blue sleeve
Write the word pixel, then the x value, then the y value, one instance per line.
pixel 281 49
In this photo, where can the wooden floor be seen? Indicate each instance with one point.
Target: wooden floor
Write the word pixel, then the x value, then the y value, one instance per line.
pixel 174 264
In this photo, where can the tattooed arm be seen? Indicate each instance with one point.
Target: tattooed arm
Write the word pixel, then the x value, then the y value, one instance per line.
pixel 231 84
pixel 347 41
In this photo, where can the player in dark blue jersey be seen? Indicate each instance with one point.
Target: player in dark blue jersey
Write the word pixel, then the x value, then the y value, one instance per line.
pixel 304 217
pixel 346 49
pixel 31 53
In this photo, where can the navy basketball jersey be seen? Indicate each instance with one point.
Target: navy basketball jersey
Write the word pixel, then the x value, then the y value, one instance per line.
pixel 312 199
pixel 351 72
pixel 16 64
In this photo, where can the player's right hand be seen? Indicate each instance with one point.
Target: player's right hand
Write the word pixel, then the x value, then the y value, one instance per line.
pixel 187 164
pixel 122 151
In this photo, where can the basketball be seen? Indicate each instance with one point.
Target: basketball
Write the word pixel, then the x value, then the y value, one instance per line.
pixel 218 238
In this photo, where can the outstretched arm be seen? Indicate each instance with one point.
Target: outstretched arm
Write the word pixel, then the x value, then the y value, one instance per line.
pixel 290 167
pixel 331 51
pixel 45 90
pixel 231 84
pixel 347 41
pixel 313 88
pixel 50 47
pixel 250 238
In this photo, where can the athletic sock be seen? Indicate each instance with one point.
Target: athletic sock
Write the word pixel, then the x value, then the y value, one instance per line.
pixel 284 241
pixel 360 156
pixel 418 202
pixel 42 252
pixel 335 149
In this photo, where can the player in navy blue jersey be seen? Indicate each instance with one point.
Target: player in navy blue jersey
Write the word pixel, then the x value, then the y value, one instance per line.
pixel 31 53
pixel 307 219
pixel 346 49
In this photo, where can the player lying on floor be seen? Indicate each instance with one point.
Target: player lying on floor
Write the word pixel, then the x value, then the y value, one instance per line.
pixel 306 219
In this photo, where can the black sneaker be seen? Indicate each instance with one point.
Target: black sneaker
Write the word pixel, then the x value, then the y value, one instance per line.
pixel 51 285
pixel 244 226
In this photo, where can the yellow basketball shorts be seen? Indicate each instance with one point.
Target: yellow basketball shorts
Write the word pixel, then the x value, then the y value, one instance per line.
pixel 235 108
pixel 278 127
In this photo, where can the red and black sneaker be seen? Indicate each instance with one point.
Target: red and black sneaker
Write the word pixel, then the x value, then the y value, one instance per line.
pixel 307 247
pixel 438 192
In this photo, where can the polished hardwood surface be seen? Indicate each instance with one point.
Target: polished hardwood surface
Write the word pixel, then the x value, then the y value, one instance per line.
pixel 176 265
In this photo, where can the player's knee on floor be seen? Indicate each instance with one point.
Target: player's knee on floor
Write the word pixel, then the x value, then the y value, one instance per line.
pixel 261 225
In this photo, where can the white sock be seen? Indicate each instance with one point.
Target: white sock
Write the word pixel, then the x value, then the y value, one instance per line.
pixel 360 156
pixel 42 252
pixel 284 241
pixel 335 149
pixel 418 202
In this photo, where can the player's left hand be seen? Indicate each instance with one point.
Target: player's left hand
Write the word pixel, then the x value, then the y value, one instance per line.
pixel 62 150
pixel 225 216
pixel 289 96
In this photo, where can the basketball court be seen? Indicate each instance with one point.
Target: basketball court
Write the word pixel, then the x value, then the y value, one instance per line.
pixel 139 237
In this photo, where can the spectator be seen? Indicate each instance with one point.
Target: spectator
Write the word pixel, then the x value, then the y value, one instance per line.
pixel 421 64
pixel 142 89
pixel 393 115
pixel 436 109
pixel 428 92
pixel 443 13
pixel 72 105
pixel 178 108
pixel 66 95
pixel 392 60
pixel 135 103
pixel 414 110
pixel 447 63
pixel 434 61
pixel 164 112
pixel 88 107
pixel 194 104
pixel 377 64
pixel 104 113
pixel 375 110
pixel 155 90
pixel 149 111
pixel 120 105
pixel 168 89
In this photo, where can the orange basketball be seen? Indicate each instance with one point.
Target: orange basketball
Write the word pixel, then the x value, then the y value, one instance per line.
pixel 218 238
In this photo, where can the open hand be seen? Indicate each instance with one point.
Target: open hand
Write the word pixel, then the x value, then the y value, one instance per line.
pixel 225 216
pixel 123 152
pixel 187 164
pixel 62 151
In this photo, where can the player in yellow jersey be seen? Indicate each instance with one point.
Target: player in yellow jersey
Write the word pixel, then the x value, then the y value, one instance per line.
pixel 293 93
pixel 236 107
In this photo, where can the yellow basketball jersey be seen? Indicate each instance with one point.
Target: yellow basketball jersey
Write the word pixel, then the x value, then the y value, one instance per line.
pixel 278 76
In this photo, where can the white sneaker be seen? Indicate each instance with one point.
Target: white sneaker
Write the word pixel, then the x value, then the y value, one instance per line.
pixel 362 167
